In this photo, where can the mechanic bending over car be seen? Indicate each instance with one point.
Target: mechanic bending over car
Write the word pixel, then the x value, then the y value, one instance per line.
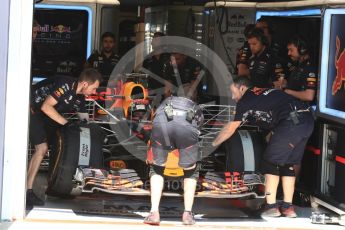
pixel 291 124
pixel 50 98
pixel 176 125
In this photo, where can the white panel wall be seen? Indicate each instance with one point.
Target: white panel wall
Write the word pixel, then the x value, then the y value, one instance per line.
pixel 16 109
pixel 4 19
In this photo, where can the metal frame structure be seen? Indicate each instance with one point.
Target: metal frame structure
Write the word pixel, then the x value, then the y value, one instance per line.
pixel 215 116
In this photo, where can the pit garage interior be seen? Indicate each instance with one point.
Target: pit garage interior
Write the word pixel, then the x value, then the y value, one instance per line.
pixel 218 26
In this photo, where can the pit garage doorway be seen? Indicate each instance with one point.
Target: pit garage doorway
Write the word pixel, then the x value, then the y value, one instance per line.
pixel 16 20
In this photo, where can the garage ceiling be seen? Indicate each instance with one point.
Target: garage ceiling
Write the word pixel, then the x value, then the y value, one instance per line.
pixel 181 2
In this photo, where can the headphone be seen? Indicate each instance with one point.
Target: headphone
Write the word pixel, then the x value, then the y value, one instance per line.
pixel 300 44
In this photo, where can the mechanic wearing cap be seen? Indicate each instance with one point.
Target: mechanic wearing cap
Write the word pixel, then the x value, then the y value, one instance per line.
pixel 266 69
pixel 50 98
pixel 176 126
pixel 291 124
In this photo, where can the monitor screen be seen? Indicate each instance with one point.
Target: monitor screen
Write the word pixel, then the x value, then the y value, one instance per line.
pixel 288 13
pixel 332 77
pixel 63 40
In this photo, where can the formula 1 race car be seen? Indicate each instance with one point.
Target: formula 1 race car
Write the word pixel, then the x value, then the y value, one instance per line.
pixel 109 154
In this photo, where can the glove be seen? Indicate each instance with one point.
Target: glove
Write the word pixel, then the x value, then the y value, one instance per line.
pixel 74 126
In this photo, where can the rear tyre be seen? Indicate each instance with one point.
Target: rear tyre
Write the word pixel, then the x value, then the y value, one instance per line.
pixel 243 151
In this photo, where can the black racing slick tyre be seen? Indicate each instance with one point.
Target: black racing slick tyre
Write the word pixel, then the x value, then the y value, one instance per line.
pixel 73 148
pixel 243 151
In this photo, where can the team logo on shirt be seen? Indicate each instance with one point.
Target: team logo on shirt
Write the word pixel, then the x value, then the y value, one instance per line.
pixel 311 80
pixel 252 116
pixel 258 91
pixel 57 93
pixel 65 87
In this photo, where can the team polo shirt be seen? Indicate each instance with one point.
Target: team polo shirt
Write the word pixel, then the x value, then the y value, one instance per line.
pixel 265 107
pixel 156 66
pixel 302 76
pixel 265 69
pixel 102 63
pixel 63 90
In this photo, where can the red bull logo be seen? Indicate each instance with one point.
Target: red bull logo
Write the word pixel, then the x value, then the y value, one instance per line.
pixel 60 29
pixel 340 67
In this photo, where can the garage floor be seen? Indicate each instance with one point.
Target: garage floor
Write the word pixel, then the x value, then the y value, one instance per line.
pixel 56 218
pixel 104 211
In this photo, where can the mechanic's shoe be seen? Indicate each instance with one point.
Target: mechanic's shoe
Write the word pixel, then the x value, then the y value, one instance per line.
pixel 288 212
pixel 152 218
pixel 32 199
pixel 271 211
pixel 188 218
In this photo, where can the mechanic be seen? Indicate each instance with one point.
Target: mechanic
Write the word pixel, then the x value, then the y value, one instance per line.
pixel 182 75
pixel 176 126
pixel 106 60
pixel 50 98
pixel 244 53
pixel 302 80
pixel 266 69
pixel 291 124
pixel 155 63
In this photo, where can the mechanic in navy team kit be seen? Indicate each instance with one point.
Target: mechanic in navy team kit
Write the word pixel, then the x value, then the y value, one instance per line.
pixel 266 69
pixel 175 126
pixel 291 124
pixel 50 98
pixel 106 60
pixel 302 80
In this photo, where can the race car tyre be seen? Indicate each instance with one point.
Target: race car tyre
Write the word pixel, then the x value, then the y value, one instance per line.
pixel 75 146
pixel 243 151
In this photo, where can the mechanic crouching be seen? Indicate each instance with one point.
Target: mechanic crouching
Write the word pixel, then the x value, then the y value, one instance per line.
pixel 175 126
pixel 291 124
pixel 50 98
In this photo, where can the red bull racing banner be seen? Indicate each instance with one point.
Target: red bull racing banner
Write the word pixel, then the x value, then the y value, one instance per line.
pixel 61 42
pixel 332 84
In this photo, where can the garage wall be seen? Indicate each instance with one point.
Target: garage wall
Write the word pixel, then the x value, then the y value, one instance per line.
pixel 16 107
pixel 4 19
